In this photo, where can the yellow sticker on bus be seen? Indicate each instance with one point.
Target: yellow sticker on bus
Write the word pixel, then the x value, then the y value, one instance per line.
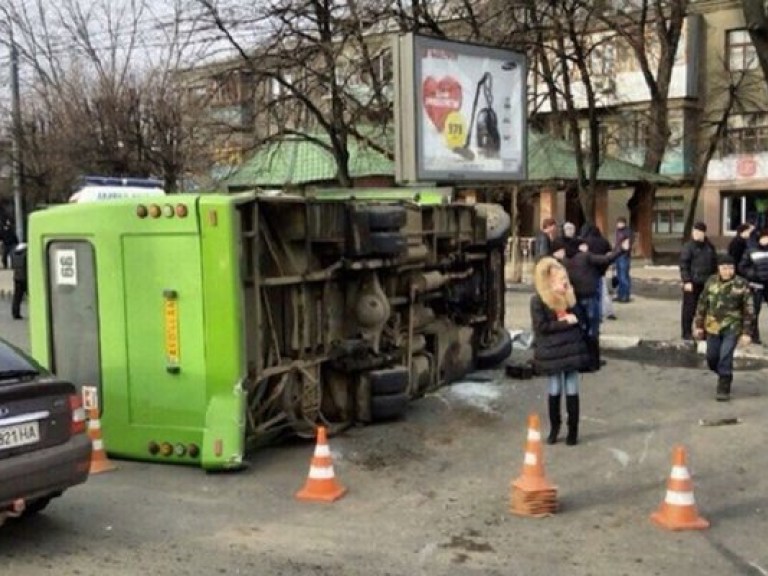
pixel 172 348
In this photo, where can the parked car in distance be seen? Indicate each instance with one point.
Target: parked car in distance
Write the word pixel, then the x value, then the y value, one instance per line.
pixel 44 448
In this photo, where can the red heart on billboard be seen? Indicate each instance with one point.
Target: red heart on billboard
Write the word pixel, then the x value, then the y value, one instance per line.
pixel 440 98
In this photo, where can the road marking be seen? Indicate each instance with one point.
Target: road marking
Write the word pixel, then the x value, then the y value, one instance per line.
pixel 646 444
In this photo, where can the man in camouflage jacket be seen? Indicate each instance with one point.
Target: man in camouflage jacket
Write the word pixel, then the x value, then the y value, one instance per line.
pixel 725 314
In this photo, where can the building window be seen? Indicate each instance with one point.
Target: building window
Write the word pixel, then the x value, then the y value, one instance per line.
pixel 741 52
pixel 634 134
pixel 744 207
pixel 746 134
pixel 668 215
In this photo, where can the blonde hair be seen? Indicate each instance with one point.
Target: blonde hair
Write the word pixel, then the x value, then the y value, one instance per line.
pixel 545 269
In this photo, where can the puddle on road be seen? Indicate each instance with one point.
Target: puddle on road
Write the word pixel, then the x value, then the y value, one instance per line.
pixel 676 356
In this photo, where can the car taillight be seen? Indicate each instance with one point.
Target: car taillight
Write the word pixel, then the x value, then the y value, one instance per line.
pixel 78 415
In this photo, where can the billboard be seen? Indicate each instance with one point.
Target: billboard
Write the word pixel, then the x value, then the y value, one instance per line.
pixel 460 111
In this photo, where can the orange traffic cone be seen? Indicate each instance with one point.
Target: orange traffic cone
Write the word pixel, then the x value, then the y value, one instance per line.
pixel 533 477
pixel 532 494
pixel 99 461
pixel 678 510
pixel 321 485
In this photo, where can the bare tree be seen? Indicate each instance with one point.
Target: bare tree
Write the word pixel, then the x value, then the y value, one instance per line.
pixel 652 29
pixel 102 93
pixel 756 19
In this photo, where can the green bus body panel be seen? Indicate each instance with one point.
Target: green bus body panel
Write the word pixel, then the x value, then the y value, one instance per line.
pixel 157 395
pixel 137 259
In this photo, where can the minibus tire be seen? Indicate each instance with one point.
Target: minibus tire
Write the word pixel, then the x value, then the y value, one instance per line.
pixel 496 353
pixel 386 217
pixel 388 382
pixel 388 243
pixel 388 407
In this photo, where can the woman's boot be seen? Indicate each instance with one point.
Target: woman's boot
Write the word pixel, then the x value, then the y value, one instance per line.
pixel 572 406
pixel 554 418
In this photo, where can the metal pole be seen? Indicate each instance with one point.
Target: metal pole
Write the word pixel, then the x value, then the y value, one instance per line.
pixel 16 145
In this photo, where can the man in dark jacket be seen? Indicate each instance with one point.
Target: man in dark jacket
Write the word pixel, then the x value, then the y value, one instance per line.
pixel 19 263
pixel 739 244
pixel 698 261
pixel 9 239
pixel 547 233
pixel 754 268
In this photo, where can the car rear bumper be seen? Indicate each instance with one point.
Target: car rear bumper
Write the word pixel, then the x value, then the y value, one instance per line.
pixel 46 471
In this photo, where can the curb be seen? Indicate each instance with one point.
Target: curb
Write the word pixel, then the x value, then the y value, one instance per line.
pixel 619 342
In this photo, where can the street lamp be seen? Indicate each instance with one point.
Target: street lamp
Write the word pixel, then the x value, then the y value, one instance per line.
pixel 16 144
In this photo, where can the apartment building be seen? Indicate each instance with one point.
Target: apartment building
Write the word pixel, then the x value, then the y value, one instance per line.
pixel 736 187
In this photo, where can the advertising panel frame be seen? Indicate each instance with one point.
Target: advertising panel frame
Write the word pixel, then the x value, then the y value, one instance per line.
pixel 446 122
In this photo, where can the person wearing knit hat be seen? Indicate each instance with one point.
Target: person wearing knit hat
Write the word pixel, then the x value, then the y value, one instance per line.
pixel 725 260
pixel 557 248
pixel 698 261
pixel 754 268
pixel 724 317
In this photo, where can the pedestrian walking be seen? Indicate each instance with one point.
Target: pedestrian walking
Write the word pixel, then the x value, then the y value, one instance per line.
pixel 623 262
pixel 698 261
pixel 19 263
pixel 754 268
pixel 724 316
pixel 546 234
pixel 560 351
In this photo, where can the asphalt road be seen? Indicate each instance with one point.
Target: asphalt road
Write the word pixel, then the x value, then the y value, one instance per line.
pixel 429 495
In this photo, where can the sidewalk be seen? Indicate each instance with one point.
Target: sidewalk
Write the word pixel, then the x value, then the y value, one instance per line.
pixel 6 284
pixel 652 321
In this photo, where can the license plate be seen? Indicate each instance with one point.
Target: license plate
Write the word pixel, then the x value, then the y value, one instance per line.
pixel 19 435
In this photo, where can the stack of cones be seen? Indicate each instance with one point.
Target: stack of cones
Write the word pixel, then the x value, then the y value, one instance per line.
pixel 531 493
pixel 321 485
pixel 99 461
pixel 678 510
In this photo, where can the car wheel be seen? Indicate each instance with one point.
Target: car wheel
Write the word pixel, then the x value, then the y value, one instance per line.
pixel 388 407
pixel 386 217
pixel 389 381
pixel 497 352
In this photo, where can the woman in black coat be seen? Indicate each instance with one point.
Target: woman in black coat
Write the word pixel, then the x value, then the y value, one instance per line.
pixel 560 349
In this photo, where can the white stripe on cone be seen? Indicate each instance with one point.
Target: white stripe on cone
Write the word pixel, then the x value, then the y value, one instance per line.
pixel 534 434
pixel 680 473
pixel 530 459
pixel 679 498
pixel 322 450
pixel 94 425
pixel 321 473
pixel 98 445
